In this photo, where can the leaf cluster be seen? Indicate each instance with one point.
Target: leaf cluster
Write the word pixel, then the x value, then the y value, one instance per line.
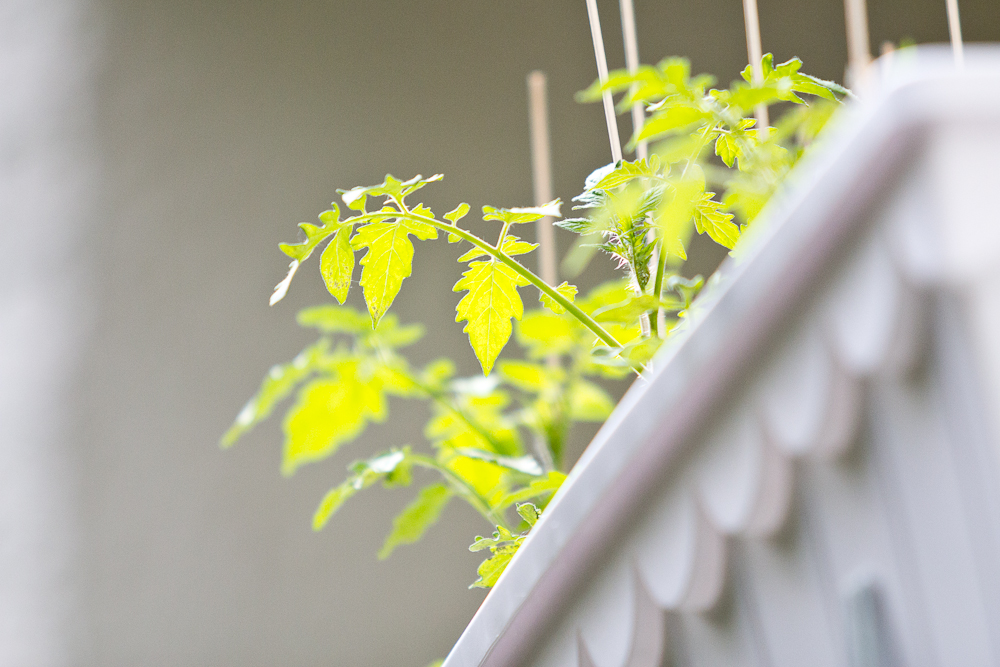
pixel 497 441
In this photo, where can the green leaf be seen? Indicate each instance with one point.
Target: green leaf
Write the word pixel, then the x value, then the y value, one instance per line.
pixel 537 489
pixel 437 373
pixel 709 219
pixel 355 198
pixel 388 261
pixel 726 148
pixel 527 376
pixel 625 172
pixel 491 302
pixel 544 333
pixel 328 413
pixel 314 235
pixel 512 246
pixel 454 216
pixel 489 570
pixel 500 536
pixel 567 290
pixel 672 119
pixel 588 402
pixel 529 513
pixel 522 464
pixel 279 383
pixel 391 334
pixel 337 264
pixel 457 214
pixel 627 311
pixel 334 319
pixel 522 215
pixel 674 216
pixel 411 524
pixel 393 464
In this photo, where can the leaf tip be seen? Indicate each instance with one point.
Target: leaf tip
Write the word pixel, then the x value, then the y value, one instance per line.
pixel 281 289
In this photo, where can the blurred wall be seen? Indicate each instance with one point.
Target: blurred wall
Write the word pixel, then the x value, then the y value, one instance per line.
pixel 154 155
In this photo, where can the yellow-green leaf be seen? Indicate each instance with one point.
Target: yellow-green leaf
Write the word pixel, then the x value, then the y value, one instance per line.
pixel 525 375
pixel 524 214
pixel 565 289
pixel 489 570
pixel 457 214
pixel 392 467
pixel 726 148
pixel 491 302
pixel 670 119
pixel 409 526
pixel 588 402
pixel 709 219
pixel 328 413
pixel 337 264
pixel 388 261
pixel 674 216
pixel 537 489
pixel 279 383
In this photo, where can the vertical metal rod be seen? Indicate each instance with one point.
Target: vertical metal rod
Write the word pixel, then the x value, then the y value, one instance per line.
pixel 858 51
pixel 602 76
pixel 632 64
pixel 541 170
pixel 755 52
pixel 955 31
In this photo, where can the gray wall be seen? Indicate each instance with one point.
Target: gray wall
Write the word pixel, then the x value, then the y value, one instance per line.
pixel 154 154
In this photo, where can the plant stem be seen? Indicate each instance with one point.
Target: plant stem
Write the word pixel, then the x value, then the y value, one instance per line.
pixel 585 319
pixel 479 503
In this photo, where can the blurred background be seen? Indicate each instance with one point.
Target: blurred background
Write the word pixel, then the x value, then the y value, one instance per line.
pixel 153 155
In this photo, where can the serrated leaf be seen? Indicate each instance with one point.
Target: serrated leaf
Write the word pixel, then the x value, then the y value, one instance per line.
pixel 489 570
pixel 710 219
pixel 529 513
pixel 565 289
pixel 500 536
pixel 388 262
pixel 411 524
pixel 486 477
pixel 279 383
pixel 671 119
pixel 512 246
pixel 364 474
pixel 314 235
pixel 328 413
pixel 491 302
pixel 726 148
pixel 524 214
pixel 355 198
pixel 537 489
pixel 337 264
pixel 625 172
pixel 522 464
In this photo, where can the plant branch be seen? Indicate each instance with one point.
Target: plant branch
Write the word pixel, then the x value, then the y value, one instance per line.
pixel 466 490
pixel 494 252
